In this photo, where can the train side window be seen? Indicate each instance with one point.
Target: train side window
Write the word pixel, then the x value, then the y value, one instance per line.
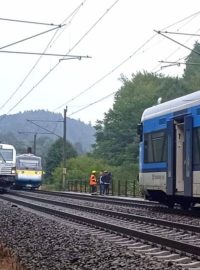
pixel 155 147
pixel 196 146
pixel 140 130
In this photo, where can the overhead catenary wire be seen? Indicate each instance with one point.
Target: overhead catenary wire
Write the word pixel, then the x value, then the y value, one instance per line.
pixel 95 102
pixel 72 14
pixel 107 74
pixel 75 12
pixel 44 129
pixel 61 32
pixel 180 33
pixel 28 38
pixel 123 62
pixel 55 66
pixel 188 20
pixel 179 63
pixel 159 32
pixel 192 17
pixel 29 22
pixel 90 29
pixel 99 100
pixel 48 54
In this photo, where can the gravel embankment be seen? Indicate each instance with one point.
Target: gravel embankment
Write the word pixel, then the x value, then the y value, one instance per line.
pixel 44 244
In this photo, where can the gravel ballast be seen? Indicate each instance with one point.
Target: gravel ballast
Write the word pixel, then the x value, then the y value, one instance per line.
pixel 42 243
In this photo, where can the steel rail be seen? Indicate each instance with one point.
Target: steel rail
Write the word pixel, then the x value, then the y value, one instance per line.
pixel 106 199
pixel 175 245
pixel 194 212
pixel 160 222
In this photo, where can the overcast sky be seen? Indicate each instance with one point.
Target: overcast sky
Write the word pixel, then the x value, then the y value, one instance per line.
pixel 97 28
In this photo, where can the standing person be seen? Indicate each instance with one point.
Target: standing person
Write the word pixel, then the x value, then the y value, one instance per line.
pixel 101 183
pixel 93 182
pixel 107 182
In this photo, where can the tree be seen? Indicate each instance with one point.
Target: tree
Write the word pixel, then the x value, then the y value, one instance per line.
pixel 116 139
pixel 55 155
pixel 117 142
pixel 116 136
pixel 191 77
pixel 79 168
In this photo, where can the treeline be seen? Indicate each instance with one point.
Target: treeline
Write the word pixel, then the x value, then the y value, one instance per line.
pixel 116 147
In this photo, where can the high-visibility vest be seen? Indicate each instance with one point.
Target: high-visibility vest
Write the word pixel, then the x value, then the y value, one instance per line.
pixel 93 180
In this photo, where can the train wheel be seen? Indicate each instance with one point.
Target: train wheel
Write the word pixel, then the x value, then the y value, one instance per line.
pixel 170 205
pixel 186 205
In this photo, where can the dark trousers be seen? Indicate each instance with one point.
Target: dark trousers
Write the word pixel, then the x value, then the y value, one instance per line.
pixel 102 189
pixel 106 189
pixel 94 188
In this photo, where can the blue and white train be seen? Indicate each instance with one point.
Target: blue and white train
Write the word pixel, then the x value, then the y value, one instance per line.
pixel 170 151
pixel 28 171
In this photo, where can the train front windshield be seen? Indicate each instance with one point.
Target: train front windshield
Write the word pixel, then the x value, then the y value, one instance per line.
pixel 6 154
pixel 29 163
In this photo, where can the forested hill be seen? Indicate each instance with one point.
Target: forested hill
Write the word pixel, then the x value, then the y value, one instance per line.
pixel 17 130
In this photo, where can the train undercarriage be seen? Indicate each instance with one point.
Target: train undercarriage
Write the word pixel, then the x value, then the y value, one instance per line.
pixel 171 200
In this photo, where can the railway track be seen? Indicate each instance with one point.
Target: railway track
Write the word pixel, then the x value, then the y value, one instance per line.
pixel 97 198
pixel 178 215
pixel 139 233
pixel 115 214
pixel 136 203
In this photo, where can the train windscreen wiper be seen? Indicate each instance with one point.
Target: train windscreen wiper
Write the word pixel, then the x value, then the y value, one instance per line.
pixel 2 157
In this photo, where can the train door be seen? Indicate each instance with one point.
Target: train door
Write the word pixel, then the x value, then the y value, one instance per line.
pixel 179 143
pixel 171 158
pixel 188 174
pixel 179 160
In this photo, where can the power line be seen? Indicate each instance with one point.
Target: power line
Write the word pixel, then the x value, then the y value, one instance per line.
pixel 28 38
pixel 72 16
pixel 177 64
pixel 107 74
pixel 195 14
pixel 191 17
pixel 180 33
pixel 95 102
pixel 31 22
pixel 90 29
pixel 33 88
pixel 75 12
pixel 159 32
pixel 120 64
pixel 44 128
pixel 31 132
pixel 38 60
pixel 46 121
pixel 184 19
pixel 47 54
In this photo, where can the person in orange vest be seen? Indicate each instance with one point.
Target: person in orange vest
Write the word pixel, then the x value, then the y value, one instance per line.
pixel 93 182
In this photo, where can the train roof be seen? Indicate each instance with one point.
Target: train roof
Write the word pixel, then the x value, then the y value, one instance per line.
pixel 27 155
pixel 6 146
pixel 171 106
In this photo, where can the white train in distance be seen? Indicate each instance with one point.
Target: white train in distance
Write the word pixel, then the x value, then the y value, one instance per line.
pixel 7 166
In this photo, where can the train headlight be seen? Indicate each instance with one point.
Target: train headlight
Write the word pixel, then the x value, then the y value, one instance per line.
pixel 13 171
